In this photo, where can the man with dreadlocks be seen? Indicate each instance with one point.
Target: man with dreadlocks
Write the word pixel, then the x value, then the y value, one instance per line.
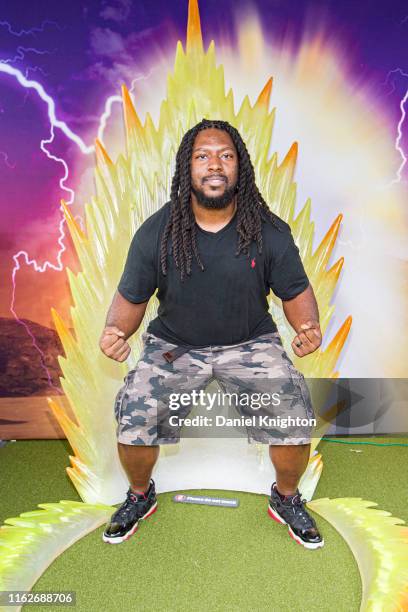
pixel 213 252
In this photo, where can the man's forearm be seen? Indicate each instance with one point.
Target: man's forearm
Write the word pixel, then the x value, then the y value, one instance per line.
pixel 302 308
pixel 125 315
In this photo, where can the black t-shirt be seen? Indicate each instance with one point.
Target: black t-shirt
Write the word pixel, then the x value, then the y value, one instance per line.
pixel 227 302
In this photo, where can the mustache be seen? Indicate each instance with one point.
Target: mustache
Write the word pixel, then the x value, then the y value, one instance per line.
pixel 212 176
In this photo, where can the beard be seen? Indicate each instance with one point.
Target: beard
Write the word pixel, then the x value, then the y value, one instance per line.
pixel 215 202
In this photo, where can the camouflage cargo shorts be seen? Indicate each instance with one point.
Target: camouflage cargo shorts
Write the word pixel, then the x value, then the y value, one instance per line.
pixel 251 368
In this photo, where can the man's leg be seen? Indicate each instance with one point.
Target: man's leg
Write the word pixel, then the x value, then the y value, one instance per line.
pixel 138 463
pixel 142 411
pixel 285 504
pixel 289 461
pixel 262 367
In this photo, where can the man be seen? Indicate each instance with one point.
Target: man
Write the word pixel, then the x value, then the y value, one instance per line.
pixel 213 252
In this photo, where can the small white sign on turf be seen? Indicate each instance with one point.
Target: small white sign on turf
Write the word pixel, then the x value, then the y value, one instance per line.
pixel 207 501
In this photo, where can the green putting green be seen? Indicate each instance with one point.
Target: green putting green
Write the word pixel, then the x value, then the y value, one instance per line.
pixel 208 558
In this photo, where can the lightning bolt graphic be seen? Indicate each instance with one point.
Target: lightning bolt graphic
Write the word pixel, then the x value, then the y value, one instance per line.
pixel 56 123
pixel 4 155
pixel 117 99
pixel 28 84
pixel 22 50
pixel 106 114
pixel 398 140
pixel 31 31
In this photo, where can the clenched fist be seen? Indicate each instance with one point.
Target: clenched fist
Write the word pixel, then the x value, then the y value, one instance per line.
pixel 308 338
pixel 113 345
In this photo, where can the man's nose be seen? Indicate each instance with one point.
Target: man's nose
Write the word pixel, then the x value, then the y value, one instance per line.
pixel 214 163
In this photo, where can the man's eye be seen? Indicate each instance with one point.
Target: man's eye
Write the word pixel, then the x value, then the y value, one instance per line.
pixel 202 155
pixel 227 154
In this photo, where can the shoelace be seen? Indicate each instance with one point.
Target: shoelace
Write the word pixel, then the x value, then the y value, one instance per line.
pixel 302 518
pixel 299 510
pixel 300 513
pixel 129 505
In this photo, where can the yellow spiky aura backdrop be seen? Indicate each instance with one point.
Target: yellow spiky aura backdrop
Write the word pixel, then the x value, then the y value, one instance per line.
pixel 129 191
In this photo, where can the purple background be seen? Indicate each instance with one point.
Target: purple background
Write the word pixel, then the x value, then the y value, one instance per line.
pixel 80 53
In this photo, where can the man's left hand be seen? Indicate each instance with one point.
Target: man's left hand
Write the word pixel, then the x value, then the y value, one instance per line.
pixel 308 338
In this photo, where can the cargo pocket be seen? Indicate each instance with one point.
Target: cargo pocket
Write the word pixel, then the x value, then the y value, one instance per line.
pixel 120 397
pixel 118 403
pixel 301 387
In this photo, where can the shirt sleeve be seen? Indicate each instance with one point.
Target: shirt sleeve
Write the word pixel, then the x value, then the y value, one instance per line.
pixel 287 276
pixel 138 281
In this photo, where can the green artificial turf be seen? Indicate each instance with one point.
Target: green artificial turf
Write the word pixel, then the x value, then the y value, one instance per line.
pixel 208 558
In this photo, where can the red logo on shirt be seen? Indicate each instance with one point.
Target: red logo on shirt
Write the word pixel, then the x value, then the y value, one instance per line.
pixel 253 263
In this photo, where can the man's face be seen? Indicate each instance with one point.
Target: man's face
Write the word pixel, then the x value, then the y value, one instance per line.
pixel 214 168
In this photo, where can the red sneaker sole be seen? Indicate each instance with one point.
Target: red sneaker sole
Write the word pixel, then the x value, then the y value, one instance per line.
pixel 308 545
pixel 276 516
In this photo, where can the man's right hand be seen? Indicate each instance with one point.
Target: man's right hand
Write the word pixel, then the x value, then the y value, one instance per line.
pixel 113 345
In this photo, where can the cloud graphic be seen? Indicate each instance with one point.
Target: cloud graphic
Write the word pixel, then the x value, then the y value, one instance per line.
pixel 118 11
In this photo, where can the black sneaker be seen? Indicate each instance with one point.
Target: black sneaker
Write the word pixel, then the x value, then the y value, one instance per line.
pixel 292 512
pixel 125 520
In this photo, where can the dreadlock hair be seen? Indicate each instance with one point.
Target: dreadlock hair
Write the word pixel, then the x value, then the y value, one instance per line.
pixel 181 224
